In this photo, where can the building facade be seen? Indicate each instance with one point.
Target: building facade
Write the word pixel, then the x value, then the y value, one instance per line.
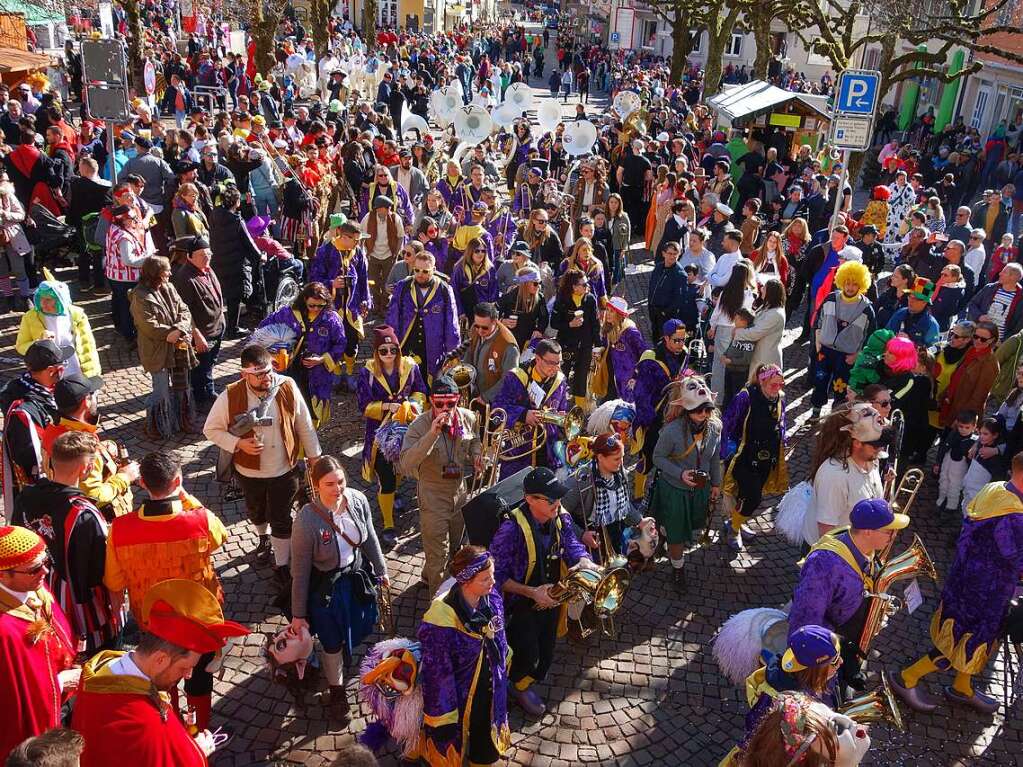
pixel 996 92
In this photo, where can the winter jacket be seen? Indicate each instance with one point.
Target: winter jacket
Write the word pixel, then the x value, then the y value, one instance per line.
pixel 236 259
pixel 33 327
pixel 156 313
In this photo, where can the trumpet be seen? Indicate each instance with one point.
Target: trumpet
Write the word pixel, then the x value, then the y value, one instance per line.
pixel 876 706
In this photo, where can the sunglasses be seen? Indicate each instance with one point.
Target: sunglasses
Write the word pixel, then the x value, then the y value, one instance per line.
pixel 479 250
pixel 387 351
pixel 422 271
pixel 37 569
pixel 548 362
pixel 437 405
pixel 703 409
pixel 982 339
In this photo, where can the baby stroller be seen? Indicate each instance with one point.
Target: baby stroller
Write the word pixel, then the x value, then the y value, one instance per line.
pixel 288 281
pixel 48 235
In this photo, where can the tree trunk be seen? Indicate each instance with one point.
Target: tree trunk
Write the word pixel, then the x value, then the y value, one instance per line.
pixel 712 69
pixel 369 24
pixel 136 35
pixel 319 17
pixel 681 42
pixel 761 23
pixel 266 18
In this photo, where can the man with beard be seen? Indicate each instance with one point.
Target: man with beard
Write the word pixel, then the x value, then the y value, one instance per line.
pixel 29 407
pixel 122 708
pixel 410 178
pixel 76 535
pixel 109 480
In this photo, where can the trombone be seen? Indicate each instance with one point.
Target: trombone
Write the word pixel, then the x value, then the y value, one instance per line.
pixel 495 425
pixel 901 498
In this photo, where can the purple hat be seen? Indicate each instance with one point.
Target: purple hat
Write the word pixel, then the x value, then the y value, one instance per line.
pixel 810 647
pixel 671 326
pixel 876 514
pixel 257 225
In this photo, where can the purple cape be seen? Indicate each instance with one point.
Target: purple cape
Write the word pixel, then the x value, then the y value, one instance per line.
pixel 326 265
pixel 438 312
pixel 374 389
pixel 452 655
pixel 326 337
pixel 624 356
pixel 485 282
pixel 514 398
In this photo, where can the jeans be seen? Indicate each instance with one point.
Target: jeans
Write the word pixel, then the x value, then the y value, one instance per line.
pixel 179 119
pixel 120 308
pixel 90 267
pixel 201 375
pixel 265 204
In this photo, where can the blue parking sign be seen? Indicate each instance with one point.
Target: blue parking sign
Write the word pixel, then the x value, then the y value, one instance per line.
pixel 616 37
pixel 858 91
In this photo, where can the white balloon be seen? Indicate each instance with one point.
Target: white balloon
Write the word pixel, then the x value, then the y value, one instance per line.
pixel 521 96
pixel 505 114
pixel 626 103
pixel 472 124
pixel 579 137
pixel 549 115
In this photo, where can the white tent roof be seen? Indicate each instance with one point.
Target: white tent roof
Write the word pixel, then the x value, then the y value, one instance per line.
pixel 737 102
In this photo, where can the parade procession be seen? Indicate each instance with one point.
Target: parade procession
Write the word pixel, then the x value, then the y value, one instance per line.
pixel 481 389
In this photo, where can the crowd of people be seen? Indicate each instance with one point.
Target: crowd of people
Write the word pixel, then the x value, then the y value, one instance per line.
pixel 468 297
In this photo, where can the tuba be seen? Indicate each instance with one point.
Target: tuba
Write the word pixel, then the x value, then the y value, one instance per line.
pixel 601 590
pixel 876 706
pixel 911 563
pixel 464 376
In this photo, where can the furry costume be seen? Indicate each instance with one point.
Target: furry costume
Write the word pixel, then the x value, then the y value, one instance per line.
pixel 389 685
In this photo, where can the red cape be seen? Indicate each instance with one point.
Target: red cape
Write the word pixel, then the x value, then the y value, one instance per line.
pixel 121 723
pixel 30 696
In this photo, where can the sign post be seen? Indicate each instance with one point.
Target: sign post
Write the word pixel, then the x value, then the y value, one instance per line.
pixel 105 74
pixel 852 121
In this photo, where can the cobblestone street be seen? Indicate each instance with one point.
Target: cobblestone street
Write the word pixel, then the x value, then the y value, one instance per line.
pixel 650 695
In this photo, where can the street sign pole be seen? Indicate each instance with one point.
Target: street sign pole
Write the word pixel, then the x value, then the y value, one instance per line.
pixel 841 188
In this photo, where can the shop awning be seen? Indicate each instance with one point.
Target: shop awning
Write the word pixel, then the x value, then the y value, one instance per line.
pixel 33 12
pixel 739 103
pixel 13 60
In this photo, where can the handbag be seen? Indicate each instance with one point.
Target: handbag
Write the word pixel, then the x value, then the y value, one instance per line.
pixel 363 583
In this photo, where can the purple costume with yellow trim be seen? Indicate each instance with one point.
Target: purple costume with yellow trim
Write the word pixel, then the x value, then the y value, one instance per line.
pixel 831 584
pixel 438 248
pixel 324 336
pixel 426 322
pixel 514 397
pixel 449 188
pixel 463 651
pixel 397 194
pixel 656 368
pixel 466 196
pixel 501 224
pixel 329 263
pixel 374 388
pixel 483 283
pixel 982 579
pixel 624 354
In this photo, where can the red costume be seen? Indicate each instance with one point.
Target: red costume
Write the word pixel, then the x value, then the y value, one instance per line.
pixel 119 711
pixel 130 726
pixel 35 645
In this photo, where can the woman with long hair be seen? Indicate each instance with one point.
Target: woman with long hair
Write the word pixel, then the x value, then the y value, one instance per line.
pixel 523 145
pixel 769 260
pixel 165 349
pixel 390 387
pixel 621 230
pixel 660 208
pixel 736 294
pixel 336 563
pixel 582 258
pixel 473 278
pixel 436 208
pixel 895 296
pixel 316 361
pixel 688 461
pixel 768 326
pixel 523 308
pixel 464 666
pixel 431 237
pixel 623 344
pixel 575 318
pixel 187 217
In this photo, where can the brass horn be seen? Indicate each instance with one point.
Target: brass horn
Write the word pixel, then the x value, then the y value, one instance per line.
pixel 464 376
pixel 913 562
pixel 571 423
pixel 603 589
pixel 901 499
pixel 876 706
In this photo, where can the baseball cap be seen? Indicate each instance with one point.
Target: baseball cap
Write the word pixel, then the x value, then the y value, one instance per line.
pixel 542 481
pixel 43 354
pixel 810 647
pixel 876 514
pixel 444 385
pixel 382 202
pixel 71 390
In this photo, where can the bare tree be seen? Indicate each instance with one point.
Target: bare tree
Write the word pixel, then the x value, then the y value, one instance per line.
pixel 319 18
pixel 264 17
pixel 758 17
pixel 369 23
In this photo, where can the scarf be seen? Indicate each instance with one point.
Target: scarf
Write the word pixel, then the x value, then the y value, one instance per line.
pixel 611 500
pixel 972 355
pixel 36 391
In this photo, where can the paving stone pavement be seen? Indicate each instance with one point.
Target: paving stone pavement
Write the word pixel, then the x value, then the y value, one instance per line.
pixel 651 695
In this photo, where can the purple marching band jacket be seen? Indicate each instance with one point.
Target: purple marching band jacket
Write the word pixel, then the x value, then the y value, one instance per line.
pixel 436 309
pixel 832 579
pixel 622 352
pixel 331 262
pixel 376 389
pixel 396 193
pixel 521 392
pixel 483 280
pixel 454 658
pixel 323 336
